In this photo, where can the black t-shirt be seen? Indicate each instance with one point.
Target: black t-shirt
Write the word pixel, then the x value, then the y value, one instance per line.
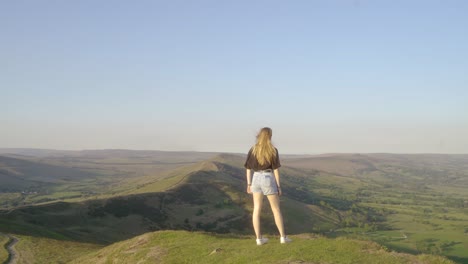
pixel 252 162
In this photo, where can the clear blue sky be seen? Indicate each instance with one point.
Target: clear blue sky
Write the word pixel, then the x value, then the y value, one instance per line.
pixel 327 76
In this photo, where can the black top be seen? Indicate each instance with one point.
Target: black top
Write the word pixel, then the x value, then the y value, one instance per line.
pixel 252 162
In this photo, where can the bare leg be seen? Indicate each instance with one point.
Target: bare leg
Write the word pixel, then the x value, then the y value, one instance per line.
pixel 258 202
pixel 275 207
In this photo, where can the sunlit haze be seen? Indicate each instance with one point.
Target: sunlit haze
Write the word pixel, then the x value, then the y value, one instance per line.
pixel 326 76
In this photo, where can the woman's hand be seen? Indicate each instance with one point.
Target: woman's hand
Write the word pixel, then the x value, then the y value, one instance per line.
pixel 248 189
pixel 277 178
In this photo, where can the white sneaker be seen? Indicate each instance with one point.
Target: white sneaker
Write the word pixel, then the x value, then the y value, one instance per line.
pixel 261 241
pixel 285 240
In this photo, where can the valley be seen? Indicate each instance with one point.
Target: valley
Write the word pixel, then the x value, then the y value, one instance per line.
pixel 415 204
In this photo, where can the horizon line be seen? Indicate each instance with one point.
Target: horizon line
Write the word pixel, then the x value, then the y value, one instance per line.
pixel 227 152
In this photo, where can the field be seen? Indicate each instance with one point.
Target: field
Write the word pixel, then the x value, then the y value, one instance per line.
pixel 421 199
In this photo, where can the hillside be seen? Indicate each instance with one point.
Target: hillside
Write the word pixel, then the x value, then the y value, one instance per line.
pixel 3 252
pixel 420 199
pixel 158 155
pixel 19 174
pixel 120 217
pixel 207 196
pixel 195 247
pixel 408 203
pixel 34 176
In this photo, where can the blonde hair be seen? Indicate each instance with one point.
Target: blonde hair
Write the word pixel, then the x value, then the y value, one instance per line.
pixel 263 149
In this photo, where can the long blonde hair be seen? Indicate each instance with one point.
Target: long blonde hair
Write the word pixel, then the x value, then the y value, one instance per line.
pixel 263 149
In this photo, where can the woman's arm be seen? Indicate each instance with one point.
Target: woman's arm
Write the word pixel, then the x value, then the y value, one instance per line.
pixel 277 177
pixel 249 180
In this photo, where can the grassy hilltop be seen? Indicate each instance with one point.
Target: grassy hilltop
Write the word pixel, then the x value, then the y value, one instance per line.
pixel 187 247
pixel 199 247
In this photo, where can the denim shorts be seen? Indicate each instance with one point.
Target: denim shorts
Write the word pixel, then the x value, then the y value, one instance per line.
pixel 264 182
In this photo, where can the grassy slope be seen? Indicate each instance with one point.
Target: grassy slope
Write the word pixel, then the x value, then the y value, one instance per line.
pixel 119 218
pixel 3 252
pixel 194 247
pixel 420 195
pixel 31 172
pixel 44 250
pixel 74 176
pixel 168 179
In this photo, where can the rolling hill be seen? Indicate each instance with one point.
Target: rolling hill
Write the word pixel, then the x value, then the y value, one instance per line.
pixel 34 176
pixel 208 196
pixel 19 174
pixel 409 203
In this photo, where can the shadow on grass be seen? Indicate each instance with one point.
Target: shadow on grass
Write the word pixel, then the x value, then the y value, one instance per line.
pixel 458 259
pixel 402 249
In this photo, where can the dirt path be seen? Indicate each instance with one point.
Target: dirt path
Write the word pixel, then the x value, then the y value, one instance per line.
pixel 10 247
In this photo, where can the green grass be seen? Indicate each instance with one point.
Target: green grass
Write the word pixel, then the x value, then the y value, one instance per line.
pixel 43 250
pixel 55 196
pixel 25 228
pixel 300 218
pixel 3 252
pixel 6 197
pixel 187 247
pixel 428 233
pixel 160 185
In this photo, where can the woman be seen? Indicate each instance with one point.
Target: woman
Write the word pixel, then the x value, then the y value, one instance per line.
pixel 263 159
